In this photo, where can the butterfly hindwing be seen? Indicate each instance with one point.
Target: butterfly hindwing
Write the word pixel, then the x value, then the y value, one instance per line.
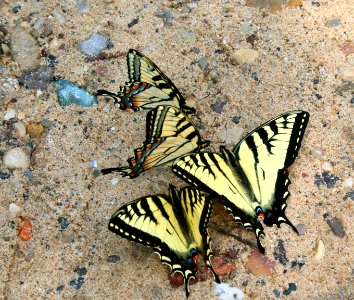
pixel 169 135
pixel 175 226
pixel 252 179
pixel 147 88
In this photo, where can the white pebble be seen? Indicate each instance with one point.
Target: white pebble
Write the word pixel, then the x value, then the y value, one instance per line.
pixel 246 56
pixel 317 153
pixel 348 183
pixel 10 114
pixel 327 166
pixel 14 209
pixel 227 292
pixel 114 181
pixel 16 159
pixel 319 250
pixel 21 129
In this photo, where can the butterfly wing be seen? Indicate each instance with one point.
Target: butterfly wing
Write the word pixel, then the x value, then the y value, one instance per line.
pixel 164 223
pixel 147 88
pixel 265 154
pixel 170 134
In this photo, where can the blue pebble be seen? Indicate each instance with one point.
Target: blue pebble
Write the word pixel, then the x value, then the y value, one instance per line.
pixel 81 271
pixel 70 93
pixel 4 175
pixel 77 283
pixel 64 223
pixel 93 45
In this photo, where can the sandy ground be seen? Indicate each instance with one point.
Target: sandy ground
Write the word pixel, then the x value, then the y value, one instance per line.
pixel 303 62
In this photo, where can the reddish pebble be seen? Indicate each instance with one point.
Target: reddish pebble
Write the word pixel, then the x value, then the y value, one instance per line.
pixel 101 71
pixel 258 264
pixel 347 48
pixel 24 229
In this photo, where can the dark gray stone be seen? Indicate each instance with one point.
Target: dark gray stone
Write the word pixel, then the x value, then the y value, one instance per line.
pixel 37 79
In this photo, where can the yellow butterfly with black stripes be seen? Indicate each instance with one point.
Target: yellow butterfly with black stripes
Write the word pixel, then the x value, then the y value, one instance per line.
pixel 147 87
pixel 252 179
pixel 175 226
pixel 169 134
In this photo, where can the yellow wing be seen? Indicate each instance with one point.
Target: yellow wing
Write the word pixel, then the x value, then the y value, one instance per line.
pixel 174 226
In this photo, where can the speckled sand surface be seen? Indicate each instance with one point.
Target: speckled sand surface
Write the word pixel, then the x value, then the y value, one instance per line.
pixel 304 62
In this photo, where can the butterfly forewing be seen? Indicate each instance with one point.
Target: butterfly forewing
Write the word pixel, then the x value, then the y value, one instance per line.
pixel 169 135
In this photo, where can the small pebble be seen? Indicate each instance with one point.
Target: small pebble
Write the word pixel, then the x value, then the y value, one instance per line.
pixel 236 120
pixel 280 253
pixel 249 29
pixel 292 287
pixel 348 195
pixel 4 175
pixel 93 163
pixel 246 56
pixel 333 23
pixel 28 174
pixel 37 79
pixel 81 271
pixel 64 223
pixel 133 22
pixel 188 35
pixel 20 130
pixel 319 250
pixel 166 15
pixel 9 84
pixel 47 123
pixel 82 6
pixel 336 226
pixel 58 15
pixel 24 49
pixel 327 166
pixel 5 49
pixel 326 179
pixel 94 45
pixel 70 93
pixel 114 181
pixel 41 28
pixel 113 259
pixel 301 228
pixel 317 153
pixel 35 130
pixel 16 159
pixel 202 62
pixel 14 209
pixel 10 114
pixel 218 106
pixel 347 183
pixel 227 292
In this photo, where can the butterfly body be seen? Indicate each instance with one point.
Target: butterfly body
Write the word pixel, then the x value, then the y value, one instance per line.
pixel 252 180
pixel 175 226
